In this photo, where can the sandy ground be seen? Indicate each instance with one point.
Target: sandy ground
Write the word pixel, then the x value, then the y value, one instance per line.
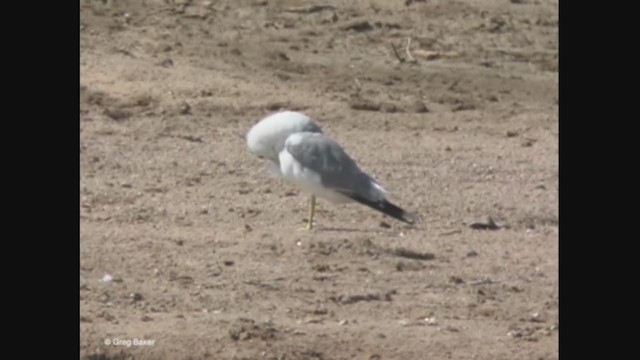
pixel 204 247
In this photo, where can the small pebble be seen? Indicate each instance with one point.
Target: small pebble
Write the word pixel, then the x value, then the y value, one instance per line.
pixel 431 321
pixel 418 107
pixel 184 109
pixel 166 63
pixel 487 224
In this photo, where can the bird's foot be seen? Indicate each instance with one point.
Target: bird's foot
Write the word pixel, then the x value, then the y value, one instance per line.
pixel 308 227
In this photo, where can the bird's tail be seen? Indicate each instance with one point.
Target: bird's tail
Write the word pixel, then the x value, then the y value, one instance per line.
pixel 384 206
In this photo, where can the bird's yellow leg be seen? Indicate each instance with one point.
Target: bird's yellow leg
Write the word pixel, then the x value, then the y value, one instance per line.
pixel 312 210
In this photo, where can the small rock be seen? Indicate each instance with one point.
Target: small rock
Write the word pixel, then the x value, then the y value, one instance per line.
pixel 281 56
pixel 321 268
pixel 136 297
pixel 320 311
pixel 105 315
pixel 166 63
pixel 106 278
pixel 410 254
pixel 487 224
pixel 228 263
pixel 388 108
pixel 411 266
pixel 330 17
pixel 384 225
pixel 366 105
pixel 472 253
pixel 184 109
pixel 409 2
pixel 514 334
pixel 431 321
pixel 536 317
pixel 512 133
pixel 313 320
pixel 117 114
pixel 359 26
pixel 146 318
pixel 463 107
pixel 417 107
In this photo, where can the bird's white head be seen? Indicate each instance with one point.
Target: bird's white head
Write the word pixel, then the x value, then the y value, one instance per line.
pixel 267 137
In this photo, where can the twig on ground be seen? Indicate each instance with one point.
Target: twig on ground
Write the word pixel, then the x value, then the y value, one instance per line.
pixel 395 51
pixel 410 58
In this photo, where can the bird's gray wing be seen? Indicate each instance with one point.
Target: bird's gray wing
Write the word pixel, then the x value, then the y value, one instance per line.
pixel 340 173
pixel 327 158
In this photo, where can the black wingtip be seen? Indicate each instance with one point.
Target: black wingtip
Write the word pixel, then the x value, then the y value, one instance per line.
pixel 385 207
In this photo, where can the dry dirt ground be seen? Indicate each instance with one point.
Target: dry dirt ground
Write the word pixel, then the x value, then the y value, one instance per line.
pixel 204 247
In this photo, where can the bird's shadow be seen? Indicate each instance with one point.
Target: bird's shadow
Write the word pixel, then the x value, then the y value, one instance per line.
pixel 389 232
pixel 342 229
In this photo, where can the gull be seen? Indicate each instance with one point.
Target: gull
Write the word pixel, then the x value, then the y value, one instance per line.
pixel 299 152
